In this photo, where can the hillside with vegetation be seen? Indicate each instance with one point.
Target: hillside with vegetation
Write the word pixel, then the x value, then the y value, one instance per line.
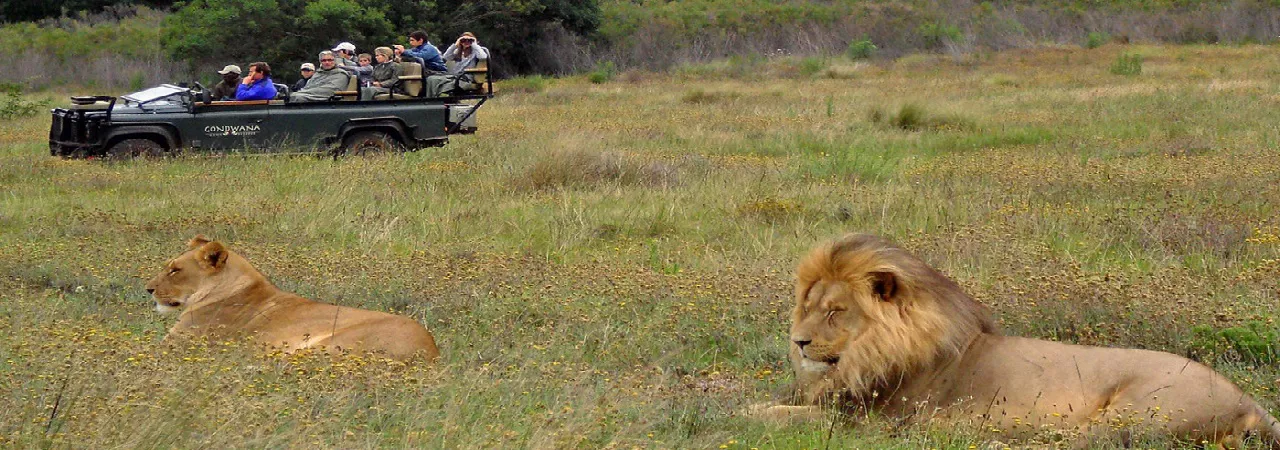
pixel 127 44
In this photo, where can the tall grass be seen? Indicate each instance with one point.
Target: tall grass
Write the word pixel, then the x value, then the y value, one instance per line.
pixel 610 264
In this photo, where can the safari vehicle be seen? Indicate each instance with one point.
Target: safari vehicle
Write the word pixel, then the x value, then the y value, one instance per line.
pixel 169 118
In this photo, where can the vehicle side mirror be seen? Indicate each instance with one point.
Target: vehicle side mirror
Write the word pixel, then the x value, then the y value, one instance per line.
pixel 205 98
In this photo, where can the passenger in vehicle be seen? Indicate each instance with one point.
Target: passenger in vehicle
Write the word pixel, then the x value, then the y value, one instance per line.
pixel 346 54
pixel 465 53
pixel 364 70
pixel 307 71
pixel 385 75
pixel 432 63
pixel 226 89
pixel 257 85
pixel 326 81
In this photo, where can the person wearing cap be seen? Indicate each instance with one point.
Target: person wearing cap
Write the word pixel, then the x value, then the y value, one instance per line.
pixel 307 71
pixel 327 80
pixel 226 89
pixel 345 53
pixel 432 63
pixel 257 84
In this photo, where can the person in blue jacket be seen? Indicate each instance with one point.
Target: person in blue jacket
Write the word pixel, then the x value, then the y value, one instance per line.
pixel 257 84
pixel 432 63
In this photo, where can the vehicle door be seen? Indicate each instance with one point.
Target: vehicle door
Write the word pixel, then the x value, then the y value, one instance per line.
pixel 233 126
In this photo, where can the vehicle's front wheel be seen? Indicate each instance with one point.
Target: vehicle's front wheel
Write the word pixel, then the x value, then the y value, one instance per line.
pixel 135 147
pixel 363 143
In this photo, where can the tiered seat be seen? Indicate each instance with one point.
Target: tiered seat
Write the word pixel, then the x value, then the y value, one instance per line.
pixel 352 92
pixel 410 82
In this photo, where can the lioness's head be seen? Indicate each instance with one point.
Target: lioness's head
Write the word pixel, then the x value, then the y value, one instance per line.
pixel 184 275
pixel 867 311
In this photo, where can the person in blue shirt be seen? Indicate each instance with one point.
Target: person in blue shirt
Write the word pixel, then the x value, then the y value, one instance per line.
pixel 257 84
pixel 432 63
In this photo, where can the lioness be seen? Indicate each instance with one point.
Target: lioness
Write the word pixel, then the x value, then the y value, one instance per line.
pixel 875 327
pixel 220 294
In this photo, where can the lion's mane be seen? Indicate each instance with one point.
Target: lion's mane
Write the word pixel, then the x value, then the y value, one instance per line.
pixel 935 319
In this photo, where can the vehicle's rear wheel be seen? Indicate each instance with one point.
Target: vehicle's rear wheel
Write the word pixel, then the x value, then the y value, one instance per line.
pixel 363 143
pixel 135 147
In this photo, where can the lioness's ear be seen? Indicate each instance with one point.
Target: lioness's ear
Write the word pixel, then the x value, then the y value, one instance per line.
pixel 884 285
pixel 212 255
pixel 197 242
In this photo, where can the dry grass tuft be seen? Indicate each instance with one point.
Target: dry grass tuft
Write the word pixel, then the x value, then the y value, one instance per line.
pixel 579 169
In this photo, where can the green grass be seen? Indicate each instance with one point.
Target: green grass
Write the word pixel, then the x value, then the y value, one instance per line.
pixel 609 264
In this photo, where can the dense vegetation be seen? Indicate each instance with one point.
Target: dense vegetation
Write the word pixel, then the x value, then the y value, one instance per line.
pixel 625 281
pixel 561 37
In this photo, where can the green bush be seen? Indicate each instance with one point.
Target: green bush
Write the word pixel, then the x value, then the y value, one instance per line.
pixel 13 104
pixel 1254 342
pixel 861 49
pixel 603 72
pixel 913 117
pixel 530 84
pixel 1096 39
pixel 936 34
pixel 1127 64
pixel 812 65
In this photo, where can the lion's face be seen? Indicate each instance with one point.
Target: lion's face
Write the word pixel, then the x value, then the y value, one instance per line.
pixel 184 275
pixel 829 315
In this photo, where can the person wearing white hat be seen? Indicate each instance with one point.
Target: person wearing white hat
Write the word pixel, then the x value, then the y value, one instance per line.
pixel 307 71
pixel 226 89
pixel 346 54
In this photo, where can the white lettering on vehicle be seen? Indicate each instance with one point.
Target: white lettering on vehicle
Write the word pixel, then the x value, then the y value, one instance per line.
pixel 231 130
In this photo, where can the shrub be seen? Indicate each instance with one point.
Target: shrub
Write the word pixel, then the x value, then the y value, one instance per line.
pixel 1127 64
pixel 861 49
pixel 1254 342
pixel 699 96
pixel 604 71
pixel 812 65
pixel 936 34
pixel 1095 39
pixel 912 117
pixel 530 84
pixel 13 104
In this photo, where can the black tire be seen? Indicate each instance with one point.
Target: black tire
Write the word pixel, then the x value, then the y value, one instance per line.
pixel 362 143
pixel 134 148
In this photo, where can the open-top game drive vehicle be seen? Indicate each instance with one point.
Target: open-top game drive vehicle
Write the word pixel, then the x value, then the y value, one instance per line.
pixel 167 118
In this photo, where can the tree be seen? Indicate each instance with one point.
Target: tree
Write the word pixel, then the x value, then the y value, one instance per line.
pixel 211 33
pixel 284 33
pixel 511 28
pixel 33 10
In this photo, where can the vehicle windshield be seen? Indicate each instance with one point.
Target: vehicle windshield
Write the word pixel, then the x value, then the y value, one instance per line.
pixel 155 93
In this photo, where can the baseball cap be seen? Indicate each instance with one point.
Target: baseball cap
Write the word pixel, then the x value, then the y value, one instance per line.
pixel 230 68
pixel 308 66
pixel 345 46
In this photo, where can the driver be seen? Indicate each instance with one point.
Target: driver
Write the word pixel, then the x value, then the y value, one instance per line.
pixel 226 89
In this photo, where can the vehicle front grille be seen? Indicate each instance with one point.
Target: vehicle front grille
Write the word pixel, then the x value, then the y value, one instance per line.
pixel 72 132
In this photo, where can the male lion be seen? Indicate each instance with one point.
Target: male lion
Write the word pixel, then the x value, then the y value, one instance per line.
pixel 875 327
pixel 221 294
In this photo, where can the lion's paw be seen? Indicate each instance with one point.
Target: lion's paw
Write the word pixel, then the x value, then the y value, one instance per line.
pixel 774 413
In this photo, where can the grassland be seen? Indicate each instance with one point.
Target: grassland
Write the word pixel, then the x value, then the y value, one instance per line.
pixel 608 265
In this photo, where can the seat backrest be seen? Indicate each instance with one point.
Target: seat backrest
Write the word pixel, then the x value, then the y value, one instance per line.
pixel 480 73
pixel 352 92
pixel 411 78
pixel 282 91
